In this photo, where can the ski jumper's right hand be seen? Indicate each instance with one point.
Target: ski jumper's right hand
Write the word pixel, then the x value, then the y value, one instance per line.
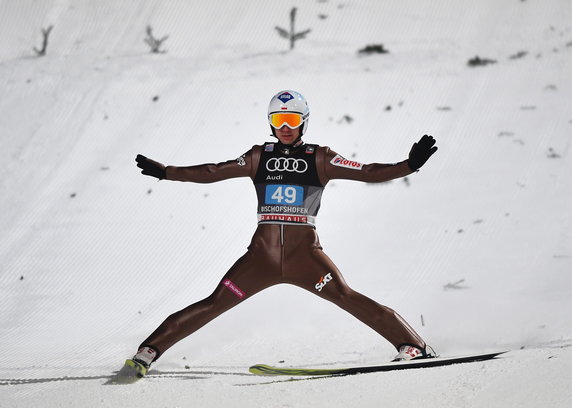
pixel 151 167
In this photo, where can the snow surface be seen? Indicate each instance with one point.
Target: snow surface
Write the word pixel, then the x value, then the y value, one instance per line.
pixel 475 250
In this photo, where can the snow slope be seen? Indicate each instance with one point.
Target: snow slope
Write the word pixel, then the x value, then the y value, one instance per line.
pixel 475 250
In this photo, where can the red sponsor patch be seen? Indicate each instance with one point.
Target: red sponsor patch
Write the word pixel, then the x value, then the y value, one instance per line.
pixel 233 288
pixel 350 164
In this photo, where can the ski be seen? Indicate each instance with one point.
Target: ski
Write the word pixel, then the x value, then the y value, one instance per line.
pixel 113 379
pixel 263 369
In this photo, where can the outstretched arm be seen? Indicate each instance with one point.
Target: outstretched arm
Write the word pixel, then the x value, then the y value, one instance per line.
pixel 334 166
pixel 244 166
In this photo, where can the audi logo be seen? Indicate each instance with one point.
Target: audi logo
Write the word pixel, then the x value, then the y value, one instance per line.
pixel 287 164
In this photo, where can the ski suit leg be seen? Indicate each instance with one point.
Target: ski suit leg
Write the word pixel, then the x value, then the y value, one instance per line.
pixel 256 270
pixel 313 270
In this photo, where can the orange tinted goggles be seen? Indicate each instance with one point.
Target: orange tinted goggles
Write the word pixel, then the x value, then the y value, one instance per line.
pixel 279 119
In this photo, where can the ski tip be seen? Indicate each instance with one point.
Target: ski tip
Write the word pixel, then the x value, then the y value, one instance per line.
pixel 261 369
pixel 494 354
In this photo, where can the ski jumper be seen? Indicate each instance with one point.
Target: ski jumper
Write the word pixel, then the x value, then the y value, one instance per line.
pixel 289 182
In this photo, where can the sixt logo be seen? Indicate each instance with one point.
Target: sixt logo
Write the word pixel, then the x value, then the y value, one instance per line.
pixel 285 97
pixel 323 282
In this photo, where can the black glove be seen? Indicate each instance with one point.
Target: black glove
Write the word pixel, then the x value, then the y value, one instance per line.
pixel 421 151
pixel 151 167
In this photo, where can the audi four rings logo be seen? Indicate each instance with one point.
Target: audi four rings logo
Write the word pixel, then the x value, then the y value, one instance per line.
pixel 287 164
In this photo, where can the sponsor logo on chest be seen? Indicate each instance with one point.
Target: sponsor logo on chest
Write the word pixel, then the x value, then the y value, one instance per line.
pixel 289 164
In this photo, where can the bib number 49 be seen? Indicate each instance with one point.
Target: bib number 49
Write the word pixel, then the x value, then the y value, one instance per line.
pixel 284 195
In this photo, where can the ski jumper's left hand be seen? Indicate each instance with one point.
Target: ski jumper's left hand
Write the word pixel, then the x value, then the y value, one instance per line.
pixel 421 151
pixel 151 167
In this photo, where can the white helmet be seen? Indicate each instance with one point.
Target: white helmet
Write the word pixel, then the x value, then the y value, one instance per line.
pixel 290 102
